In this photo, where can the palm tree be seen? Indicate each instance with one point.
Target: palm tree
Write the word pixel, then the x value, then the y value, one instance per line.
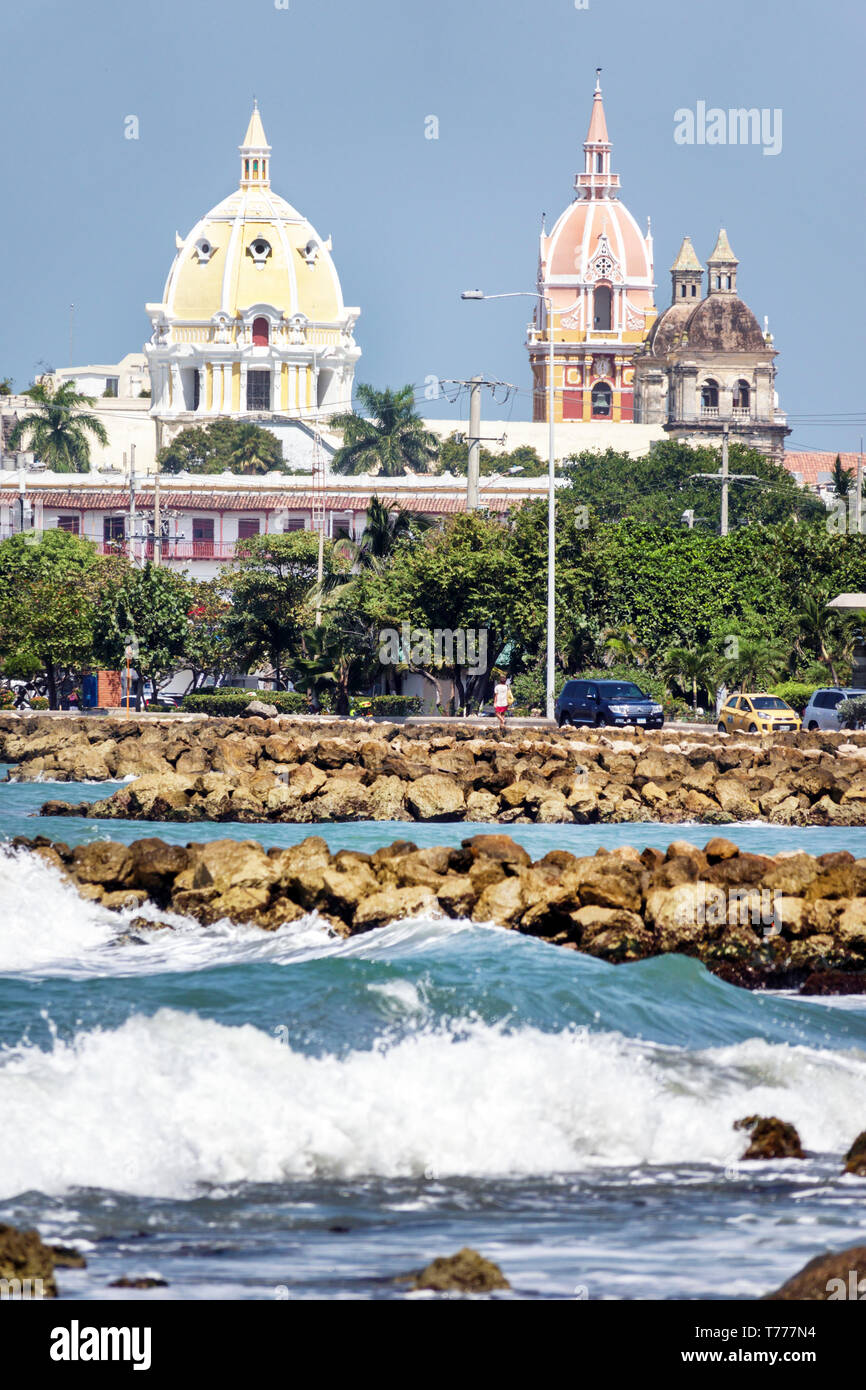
pixel 623 644
pixel 694 666
pixel 392 441
pixel 756 661
pixel 818 628
pixel 385 527
pixel 338 654
pixel 59 426
pixel 255 450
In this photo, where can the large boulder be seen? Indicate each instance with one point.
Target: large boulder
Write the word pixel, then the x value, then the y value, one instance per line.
pixel 388 799
pixel 347 887
pixel 855 1158
pixel 500 848
pixel 458 761
pixel 306 780
pixel 103 862
pixel 828 1278
pixel 686 916
pixel 261 710
pixel 156 865
pixel 482 805
pixel 229 864
pixel 605 881
pixel 733 796
pixel 156 796
pixel 391 905
pixel 770 1137
pixel 436 796
pixel 301 871
pixel 553 809
pixel 342 799
pixel 24 1257
pixel 612 933
pixel 503 903
pixel 465 1272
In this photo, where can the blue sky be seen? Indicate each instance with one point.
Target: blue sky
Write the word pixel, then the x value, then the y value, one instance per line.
pixel 345 87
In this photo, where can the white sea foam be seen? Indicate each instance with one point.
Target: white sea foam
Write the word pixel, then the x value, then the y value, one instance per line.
pixel 46 928
pixel 43 921
pixel 164 1104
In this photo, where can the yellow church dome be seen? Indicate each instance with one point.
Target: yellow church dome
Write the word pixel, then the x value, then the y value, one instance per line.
pixel 252 322
pixel 253 248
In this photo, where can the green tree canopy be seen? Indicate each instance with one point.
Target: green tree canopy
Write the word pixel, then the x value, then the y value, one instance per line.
pixel 147 611
pixel 223 446
pixel 49 589
pixel 208 650
pixel 660 487
pixel 270 589
pixel 522 461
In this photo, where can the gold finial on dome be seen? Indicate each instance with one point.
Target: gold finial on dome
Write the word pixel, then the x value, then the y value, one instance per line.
pixel 255 153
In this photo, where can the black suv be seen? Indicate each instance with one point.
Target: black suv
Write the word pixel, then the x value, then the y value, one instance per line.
pixel 607 702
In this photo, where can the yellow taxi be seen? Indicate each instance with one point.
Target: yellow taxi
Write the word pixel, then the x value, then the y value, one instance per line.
pixel 757 714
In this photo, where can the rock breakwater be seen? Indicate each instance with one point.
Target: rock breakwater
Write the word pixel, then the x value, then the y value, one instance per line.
pixel 301 771
pixel 755 920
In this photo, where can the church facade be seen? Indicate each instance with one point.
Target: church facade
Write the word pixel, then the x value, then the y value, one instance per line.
pixel 702 367
pixel 252 323
pixel 595 273
pixel 707 366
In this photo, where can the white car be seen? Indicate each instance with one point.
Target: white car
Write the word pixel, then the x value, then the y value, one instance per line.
pixel 820 713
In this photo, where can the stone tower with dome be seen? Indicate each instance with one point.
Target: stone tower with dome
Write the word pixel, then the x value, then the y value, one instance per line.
pixel 252 323
pixel 596 268
pixel 707 365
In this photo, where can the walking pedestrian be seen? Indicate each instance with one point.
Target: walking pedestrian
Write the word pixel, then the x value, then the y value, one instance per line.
pixel 502 699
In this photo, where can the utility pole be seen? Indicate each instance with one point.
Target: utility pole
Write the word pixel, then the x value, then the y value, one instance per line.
pixel 725 477
pixel 475 438
pixel 132 503
pixel 550 675
pixel 474 467
pixel 157 524
pixel 859 511
pixel 319 511
pixel 725 482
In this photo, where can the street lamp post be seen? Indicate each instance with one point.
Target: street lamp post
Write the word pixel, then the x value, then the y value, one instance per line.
pixel 551 480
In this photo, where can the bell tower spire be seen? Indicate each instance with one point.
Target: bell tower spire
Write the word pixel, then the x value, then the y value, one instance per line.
pixel 255 154
pixel 722 267
pixel 597 181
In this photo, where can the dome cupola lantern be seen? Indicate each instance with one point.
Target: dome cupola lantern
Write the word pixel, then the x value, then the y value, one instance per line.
pixel 255 154
pixel 722 267
pixel 686 275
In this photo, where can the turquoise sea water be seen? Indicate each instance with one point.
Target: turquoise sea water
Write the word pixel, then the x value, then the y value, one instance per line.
pixel 287 1115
